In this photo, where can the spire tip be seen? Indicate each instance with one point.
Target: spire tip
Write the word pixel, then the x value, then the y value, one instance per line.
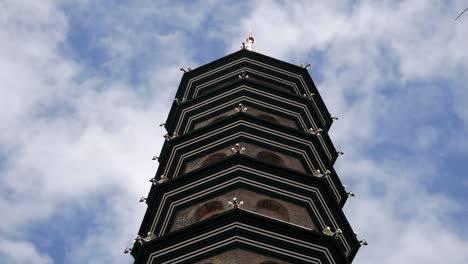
pixel 249 43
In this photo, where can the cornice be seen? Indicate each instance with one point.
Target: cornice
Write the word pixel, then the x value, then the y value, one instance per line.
pixel 240 228
pixel 230 66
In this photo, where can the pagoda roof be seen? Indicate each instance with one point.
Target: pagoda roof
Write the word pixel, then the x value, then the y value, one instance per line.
pixel 237 228
pixel 283 75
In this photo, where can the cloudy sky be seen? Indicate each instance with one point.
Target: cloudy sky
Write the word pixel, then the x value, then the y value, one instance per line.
pixel 84 85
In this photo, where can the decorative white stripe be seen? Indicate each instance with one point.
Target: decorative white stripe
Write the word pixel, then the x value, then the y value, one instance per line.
pixel 241 60
pixel 204 85
pixel 232 182
pixel 299 151
pixel 246 169
pixel 253 90
pixel 206 103
pixel 265 187
pixel 245 241
pixel 246 99
pixel 251 229
pixel 270 67
pixel 248 135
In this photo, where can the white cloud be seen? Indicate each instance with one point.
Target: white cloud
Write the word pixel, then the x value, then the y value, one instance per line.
pixel 21 252
pixel 71 132
pixel 67 138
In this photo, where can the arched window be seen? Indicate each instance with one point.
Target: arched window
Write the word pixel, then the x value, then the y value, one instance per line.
pixel 268 118
pixel 208 210
pixel 213 158
pixel 270 157
pixel 272 209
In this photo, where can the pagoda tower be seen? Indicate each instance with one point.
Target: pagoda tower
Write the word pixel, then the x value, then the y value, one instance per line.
pixel 246 172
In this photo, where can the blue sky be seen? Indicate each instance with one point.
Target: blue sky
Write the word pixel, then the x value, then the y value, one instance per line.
pixel 85 85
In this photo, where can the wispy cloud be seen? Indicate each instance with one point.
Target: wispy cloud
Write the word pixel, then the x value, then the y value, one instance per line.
pixel 85 84
pixel 21 252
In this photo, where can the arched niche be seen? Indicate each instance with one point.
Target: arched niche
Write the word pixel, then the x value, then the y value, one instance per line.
pixel 213 158
pixel 270 157
pixel 257 202
pixel 272 209
pixel 208 210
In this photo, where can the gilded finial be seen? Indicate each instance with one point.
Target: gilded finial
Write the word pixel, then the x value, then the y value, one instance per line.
pixel 249 43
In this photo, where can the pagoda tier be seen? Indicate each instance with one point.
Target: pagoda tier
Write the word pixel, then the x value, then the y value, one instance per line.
pixel 242 229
